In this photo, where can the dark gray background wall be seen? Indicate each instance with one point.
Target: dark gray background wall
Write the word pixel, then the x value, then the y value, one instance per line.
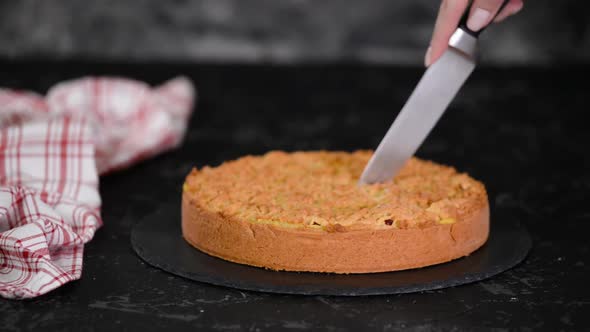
pixel 382 31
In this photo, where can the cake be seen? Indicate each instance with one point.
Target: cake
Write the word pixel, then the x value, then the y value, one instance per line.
pixel 305 211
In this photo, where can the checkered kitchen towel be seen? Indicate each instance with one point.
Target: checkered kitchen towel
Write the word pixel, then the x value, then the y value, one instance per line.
pixel 52 150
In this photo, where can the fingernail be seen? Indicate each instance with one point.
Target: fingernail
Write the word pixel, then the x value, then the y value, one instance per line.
pixel 513 10
pixel 427 57
pixel 478 19
pixel 517 8
pixel 499 18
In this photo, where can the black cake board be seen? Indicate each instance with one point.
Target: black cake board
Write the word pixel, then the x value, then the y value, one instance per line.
pixel 157 239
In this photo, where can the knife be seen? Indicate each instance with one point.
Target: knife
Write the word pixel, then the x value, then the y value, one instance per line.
pixel 431 97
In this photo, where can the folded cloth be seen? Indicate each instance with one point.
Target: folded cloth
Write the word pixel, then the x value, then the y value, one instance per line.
pixel 52 150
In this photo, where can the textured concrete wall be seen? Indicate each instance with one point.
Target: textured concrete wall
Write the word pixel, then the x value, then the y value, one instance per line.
pixel 385 31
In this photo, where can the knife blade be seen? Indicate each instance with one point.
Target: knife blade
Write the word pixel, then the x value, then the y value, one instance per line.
pixel 434 92
pixel 427 103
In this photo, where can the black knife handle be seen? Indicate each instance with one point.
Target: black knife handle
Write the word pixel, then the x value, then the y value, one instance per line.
pixel 463 22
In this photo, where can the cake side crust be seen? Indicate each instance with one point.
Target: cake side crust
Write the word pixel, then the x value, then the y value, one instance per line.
pixel 354 251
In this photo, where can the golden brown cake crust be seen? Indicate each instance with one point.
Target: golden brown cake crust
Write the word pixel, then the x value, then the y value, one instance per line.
pixel 304 212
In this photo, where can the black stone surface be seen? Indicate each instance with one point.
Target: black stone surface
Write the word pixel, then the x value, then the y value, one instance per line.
pixel 157 239
pixel 521 131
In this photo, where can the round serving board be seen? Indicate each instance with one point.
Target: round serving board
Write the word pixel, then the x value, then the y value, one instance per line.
pixel 158 241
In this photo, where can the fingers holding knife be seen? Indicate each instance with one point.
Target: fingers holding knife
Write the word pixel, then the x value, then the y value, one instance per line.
pixel 481 13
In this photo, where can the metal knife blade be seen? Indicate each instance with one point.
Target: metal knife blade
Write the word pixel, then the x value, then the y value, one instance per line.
pixel 431 97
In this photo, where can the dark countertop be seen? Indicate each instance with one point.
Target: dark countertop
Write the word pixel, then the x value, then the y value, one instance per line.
pixel 520 131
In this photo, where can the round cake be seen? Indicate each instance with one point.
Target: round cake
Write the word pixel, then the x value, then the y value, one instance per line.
pixel 305 211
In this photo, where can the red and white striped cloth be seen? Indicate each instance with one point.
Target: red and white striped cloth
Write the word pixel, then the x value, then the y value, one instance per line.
pixel 52 150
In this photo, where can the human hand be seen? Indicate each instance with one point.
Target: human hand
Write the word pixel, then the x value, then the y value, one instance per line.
pixel 481 14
